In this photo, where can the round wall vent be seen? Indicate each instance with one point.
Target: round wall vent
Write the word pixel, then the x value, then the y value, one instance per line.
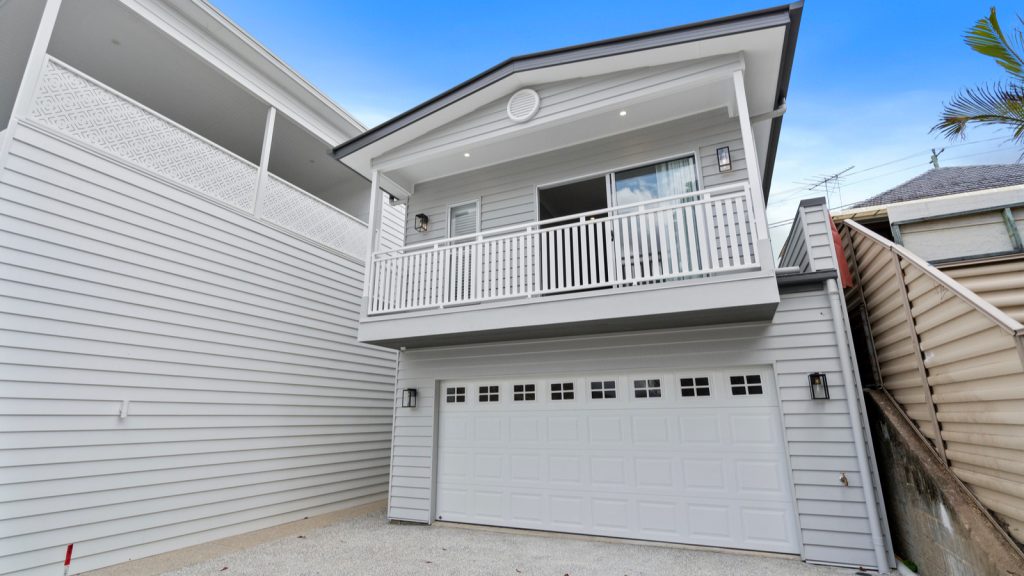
pixel 523 105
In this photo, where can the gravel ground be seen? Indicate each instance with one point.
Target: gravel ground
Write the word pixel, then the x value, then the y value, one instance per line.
pixel 369 545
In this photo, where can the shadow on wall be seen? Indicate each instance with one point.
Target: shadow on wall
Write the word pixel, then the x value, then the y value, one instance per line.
pixel 934 521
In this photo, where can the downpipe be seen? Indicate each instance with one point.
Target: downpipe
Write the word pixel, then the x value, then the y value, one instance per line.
pixel 853 399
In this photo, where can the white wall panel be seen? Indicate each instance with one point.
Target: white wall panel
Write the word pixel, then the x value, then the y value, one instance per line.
pixel 250 401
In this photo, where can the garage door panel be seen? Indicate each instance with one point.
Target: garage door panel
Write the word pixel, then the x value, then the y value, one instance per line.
pixel 707 470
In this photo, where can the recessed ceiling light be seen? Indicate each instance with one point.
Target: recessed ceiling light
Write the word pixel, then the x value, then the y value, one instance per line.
pixel 622 112
pixel 466 154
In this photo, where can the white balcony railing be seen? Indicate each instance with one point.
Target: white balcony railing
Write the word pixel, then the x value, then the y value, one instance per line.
pixel 708 233
pixel 79 106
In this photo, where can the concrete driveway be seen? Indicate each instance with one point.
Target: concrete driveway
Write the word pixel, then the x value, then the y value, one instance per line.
pixel 369 545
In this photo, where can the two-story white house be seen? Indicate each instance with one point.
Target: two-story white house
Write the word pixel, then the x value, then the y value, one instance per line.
pixel 594 337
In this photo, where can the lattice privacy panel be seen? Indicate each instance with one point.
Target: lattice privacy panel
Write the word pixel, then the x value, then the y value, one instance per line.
pixel 291 208
pixel 80 107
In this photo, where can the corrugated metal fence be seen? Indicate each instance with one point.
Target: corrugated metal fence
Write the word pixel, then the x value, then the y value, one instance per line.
pixel 955 364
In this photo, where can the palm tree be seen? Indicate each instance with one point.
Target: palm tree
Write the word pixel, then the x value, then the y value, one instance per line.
pixel 999 104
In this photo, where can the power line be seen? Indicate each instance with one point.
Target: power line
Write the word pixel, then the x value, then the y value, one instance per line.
pixel 784 194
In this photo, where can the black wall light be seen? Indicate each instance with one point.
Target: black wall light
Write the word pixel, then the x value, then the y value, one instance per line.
pixel 819 385
pixel 421 222
pixel 724 159
pixel 408 398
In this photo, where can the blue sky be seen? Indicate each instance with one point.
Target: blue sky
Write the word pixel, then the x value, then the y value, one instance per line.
pixel 869 78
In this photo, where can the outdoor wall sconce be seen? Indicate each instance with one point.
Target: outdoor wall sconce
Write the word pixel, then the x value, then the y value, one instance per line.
pixel 819 386
pixel 724 159
pixel 421 222
pixel 408 398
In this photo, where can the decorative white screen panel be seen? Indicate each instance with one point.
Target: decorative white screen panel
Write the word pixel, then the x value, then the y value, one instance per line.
pixel 78 106
pixel 293 209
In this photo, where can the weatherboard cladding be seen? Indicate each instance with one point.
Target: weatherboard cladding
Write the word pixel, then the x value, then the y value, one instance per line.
pixel 251 402
pixel 799 340
pixel 507 192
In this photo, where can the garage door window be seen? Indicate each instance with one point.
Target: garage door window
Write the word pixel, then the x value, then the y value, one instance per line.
pixel 692 387
pixel 650 388
pixel 524 392
pixel 562 391
pixel 455 394
pixel 602 389
pixel 746 385
pixel 488 394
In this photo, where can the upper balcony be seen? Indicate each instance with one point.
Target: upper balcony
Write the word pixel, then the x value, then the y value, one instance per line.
pixel 689 259
pixel 116 82
pixel 605 187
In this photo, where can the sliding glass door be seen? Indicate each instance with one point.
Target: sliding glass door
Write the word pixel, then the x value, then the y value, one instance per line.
pixel 662 180
pixel 661 241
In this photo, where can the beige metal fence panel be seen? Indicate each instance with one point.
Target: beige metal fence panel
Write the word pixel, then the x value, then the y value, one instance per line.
pixel 999 282
pixel 953 361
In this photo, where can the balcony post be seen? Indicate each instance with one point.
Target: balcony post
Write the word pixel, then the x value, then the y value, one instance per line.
pixel 753 172
pixel 25 96
pixel 261 175
pixel 372 231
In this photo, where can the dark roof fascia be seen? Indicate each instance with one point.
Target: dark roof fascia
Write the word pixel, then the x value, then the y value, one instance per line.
pixel 781 91
pixel 600 49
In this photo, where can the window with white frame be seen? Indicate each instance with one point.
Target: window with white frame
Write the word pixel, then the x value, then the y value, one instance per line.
pixel 647 388
pixel 488 393
pixel 524 392
pixel 602 389
pixel 455 394
pixel 563 391
pixel 464 219
pixel 691 387
pixel 746 385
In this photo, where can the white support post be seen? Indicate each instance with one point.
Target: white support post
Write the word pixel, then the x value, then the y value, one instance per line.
pixel 261 175
pixel 30 78
pixel 373 229
pixel 753 171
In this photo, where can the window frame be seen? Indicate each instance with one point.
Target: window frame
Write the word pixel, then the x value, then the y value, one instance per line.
pixel 694 376
pixel 448 215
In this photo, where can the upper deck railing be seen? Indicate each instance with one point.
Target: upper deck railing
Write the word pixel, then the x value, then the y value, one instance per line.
pixel 706 233
pixel 77 105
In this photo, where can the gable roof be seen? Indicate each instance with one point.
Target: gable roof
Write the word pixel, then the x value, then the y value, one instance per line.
pixel 787 15
pixel 949 180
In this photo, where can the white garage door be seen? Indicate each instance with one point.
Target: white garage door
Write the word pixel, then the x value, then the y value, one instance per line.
pixel 691 457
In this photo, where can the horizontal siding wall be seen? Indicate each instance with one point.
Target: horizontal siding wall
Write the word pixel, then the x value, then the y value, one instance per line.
pixel 250 401
pixel 800 340
pixel 809 245
pixel 392 225
pixel 507 192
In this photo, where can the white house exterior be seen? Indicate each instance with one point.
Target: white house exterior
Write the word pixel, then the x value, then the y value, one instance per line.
pixel 587 307
pixel 182 269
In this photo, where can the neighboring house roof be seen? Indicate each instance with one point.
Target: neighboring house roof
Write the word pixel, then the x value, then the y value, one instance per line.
pixel 950 180
pixel 789 13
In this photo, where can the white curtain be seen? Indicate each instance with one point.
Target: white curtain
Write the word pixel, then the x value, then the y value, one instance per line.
pixel 676 178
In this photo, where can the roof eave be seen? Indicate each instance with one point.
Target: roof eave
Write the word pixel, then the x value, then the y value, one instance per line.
pixel 599 49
